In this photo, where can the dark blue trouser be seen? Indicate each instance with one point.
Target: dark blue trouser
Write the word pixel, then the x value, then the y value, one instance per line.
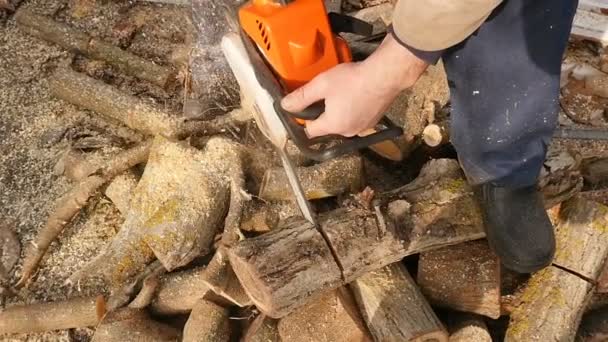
pixel 504 84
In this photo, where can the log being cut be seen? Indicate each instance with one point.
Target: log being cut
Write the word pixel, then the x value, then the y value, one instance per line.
pixel 285 268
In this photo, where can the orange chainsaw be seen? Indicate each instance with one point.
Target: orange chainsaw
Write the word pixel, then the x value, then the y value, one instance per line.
pixel 278 47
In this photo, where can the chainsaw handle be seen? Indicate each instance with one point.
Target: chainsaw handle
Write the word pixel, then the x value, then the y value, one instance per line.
pixel 345 145
pixel 311 112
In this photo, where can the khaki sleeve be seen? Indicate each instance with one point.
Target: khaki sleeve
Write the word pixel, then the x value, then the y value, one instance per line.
pixel 432 25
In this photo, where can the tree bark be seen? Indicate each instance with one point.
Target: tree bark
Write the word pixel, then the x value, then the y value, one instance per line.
pixel 333 317
pixel 327 179
pixel 464 277
pixel 47 29
pixel 208 322
pixel 41 317
pixel 394 308
pixel 283 269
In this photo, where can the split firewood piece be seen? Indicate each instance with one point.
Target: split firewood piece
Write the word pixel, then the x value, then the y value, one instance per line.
pixel 208 322
pixel 582 237
pixel 327 179
pixel 47 29
pixel 220 278
pixel 70 204
pixel 175 213
pixel 463 277
pixel 333 317
pixel 120 190
pixel 394 308
pixel 286 267
pixel 133 325
pixel 147 292
pixel 594 326
pixel 468 328
pixel 76 167
pixel 179 291
pixel 89 93
pixel 550 308
pixel 560 178
pixel 555 298
pixel 262 329
pixel 41 317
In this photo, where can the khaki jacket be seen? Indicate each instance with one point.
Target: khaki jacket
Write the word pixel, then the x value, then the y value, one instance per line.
pixel 432 25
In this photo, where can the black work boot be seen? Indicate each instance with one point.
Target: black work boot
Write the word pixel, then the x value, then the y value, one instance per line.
pixel 517 226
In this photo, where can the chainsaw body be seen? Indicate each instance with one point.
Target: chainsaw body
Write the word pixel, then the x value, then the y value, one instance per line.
pixel 297 41
pixel 296 38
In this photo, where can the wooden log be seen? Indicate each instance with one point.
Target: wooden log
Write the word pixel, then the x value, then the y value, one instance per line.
pixel 89 93
pixel 179 291
pixel 208 322
pixel 436 134
pixel 468 328
pixel 175 213
pixel 332 318
pixel 47 29
pixel 554 299
pixel 394 308
pixel 41 317
pixel 602 280
pixel 464 277
pixel 133 325
pixel 551 306
pixel 283 269
pixel 595 172
pixel 260 218
pixel 327 179
pixel 582 237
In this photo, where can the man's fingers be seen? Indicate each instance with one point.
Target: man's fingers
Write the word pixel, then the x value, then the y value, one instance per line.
pixel 301 98
pixel 317 128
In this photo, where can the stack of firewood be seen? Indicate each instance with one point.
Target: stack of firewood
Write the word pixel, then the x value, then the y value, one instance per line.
pixel 212 247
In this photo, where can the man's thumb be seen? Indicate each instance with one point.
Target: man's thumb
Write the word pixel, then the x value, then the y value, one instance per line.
pixel 301 98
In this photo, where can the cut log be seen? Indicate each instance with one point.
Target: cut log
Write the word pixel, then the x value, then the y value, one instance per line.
pixel 551 307
pixel 560 178
pixel 133 325
pixel 208 322
pixel 260 218
pixel 47 29
pixel 179 291
pixel 41 317
pixel 464 277
pixel 590 25
pixel 394 308
pixel 469 328
pixel 283 269
pixel 332 318
pixel 436 134
pixel 327 179
pixel 554 299
pixel 89 93
pixel 121 189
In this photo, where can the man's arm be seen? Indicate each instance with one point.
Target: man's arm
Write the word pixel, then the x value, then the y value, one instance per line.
pixel 357 94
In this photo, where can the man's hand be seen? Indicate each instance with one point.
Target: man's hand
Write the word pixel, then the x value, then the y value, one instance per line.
pixel 357 94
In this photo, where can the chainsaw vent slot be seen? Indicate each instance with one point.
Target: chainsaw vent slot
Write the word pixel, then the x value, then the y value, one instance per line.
pixel 262 30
